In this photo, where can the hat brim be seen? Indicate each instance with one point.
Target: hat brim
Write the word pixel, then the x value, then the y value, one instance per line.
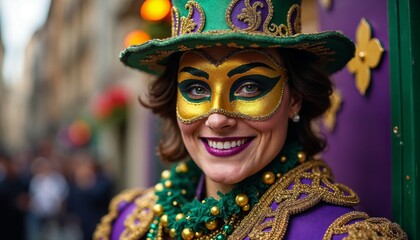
pixel 333 48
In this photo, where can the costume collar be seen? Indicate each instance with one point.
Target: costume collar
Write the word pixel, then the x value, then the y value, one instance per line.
pixel 184 216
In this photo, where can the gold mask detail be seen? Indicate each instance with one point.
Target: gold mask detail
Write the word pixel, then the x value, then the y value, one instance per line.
pixel 248 84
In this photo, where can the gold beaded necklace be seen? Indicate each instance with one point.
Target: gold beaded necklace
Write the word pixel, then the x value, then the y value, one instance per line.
pixel 181 215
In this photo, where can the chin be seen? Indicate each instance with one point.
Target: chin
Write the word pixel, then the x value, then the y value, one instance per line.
pixel 226 176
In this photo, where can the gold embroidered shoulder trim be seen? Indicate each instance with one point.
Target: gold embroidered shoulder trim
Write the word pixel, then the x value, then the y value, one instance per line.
pixel 298 190
pixel 365 228
pixel 138 222
pixel 103 229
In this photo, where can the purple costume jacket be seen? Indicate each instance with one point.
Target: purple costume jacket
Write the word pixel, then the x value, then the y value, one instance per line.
pixel 304 203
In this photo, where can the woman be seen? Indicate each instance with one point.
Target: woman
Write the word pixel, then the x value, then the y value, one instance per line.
pixel 239 86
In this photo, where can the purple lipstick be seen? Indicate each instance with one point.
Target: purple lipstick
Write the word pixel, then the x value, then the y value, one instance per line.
pixel 226 147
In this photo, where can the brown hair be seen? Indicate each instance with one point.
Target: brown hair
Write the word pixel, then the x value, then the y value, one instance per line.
pixel 306 80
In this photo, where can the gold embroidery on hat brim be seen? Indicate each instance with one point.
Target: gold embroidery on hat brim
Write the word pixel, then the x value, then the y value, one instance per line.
pixel 153 59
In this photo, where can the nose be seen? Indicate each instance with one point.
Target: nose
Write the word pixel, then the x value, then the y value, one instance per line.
pixel 217 122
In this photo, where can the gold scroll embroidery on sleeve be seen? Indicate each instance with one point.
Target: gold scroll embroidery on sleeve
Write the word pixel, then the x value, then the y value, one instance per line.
pixel 298 190
pixel 364 228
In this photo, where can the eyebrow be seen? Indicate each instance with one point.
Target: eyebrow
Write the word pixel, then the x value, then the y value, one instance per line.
pixel 195 72
pixel 247 67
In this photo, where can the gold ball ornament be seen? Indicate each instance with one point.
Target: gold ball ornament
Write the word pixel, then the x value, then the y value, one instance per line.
pixel 158 209
pixel 268 178
pixel 301 157
pixel 172 232
pixel 164 220
pixel 165 174
pixel 179 216
pixel 159 187
pixel 211 225
pixel 246 208
pixel 168 183
pixel 187 234
pixel 198 234
pixel 283 159
pixel 181 168
pixel 241 199
pixel 215 211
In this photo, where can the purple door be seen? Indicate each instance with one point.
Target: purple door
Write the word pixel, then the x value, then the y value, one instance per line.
pixel 359 149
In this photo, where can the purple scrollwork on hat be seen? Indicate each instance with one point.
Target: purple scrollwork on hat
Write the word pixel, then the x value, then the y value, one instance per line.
pixel 249 15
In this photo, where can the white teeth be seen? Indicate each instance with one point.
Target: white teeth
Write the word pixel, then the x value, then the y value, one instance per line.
pixel 225 144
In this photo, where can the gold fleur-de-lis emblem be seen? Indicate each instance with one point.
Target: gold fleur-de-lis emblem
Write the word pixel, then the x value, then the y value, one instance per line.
pixel 368 55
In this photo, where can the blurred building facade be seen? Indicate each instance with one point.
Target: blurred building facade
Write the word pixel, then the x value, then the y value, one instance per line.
pixel 68 63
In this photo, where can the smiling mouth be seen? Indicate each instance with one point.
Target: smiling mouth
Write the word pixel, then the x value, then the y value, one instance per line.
pixel 225 147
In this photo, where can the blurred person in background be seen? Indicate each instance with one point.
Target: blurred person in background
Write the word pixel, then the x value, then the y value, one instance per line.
pixel 90 191
pixel 13 199
pixel 48 190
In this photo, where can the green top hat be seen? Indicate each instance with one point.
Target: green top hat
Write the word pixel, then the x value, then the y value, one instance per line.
pixel 239 24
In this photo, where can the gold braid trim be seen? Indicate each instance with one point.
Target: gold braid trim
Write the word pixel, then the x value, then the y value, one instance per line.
pixel 366 228
pixel 293 196
pixel 137 223
pixel 104 228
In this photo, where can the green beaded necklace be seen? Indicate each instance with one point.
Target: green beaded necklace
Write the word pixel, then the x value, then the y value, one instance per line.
pixel 181 214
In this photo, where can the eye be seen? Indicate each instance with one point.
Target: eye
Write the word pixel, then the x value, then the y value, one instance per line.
pixel 249 89
pixel 197 91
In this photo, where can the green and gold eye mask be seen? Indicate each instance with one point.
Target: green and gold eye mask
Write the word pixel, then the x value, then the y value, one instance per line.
pixel 247 84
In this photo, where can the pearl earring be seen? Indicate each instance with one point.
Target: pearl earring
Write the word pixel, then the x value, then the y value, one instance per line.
pixel 296 117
